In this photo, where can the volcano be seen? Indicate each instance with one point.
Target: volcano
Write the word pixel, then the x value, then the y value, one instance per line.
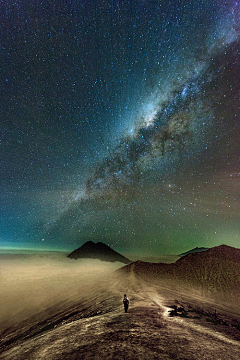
pixel 99 250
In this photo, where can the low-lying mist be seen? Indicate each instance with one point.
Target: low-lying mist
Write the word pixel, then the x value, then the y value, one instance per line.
pixel 30 283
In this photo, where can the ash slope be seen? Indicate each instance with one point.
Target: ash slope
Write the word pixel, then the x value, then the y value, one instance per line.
pixel 100 251
pixel 214 273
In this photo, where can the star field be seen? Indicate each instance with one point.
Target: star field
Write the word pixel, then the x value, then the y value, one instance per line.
pixel 120 123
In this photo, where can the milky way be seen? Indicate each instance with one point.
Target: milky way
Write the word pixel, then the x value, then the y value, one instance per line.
pixel 120 124
pixel 175 127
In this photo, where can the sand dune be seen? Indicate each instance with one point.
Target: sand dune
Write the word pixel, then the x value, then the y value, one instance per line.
pixel 94 325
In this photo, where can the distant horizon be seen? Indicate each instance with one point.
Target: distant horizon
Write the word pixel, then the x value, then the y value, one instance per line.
pixel 18 248
pixel 30 249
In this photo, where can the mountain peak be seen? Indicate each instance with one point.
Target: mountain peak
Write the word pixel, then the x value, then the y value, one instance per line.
pixel 225 251
pixel 195 250
pixel 99 250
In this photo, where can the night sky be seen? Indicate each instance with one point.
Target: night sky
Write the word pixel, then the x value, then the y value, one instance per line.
pixel 120 122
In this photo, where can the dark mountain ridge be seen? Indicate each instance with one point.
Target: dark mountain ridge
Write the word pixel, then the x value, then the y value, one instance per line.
pixel 99 250
pixel 196 249
pixel 214 272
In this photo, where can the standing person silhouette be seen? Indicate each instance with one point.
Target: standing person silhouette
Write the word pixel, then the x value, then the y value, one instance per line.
pixel 125 303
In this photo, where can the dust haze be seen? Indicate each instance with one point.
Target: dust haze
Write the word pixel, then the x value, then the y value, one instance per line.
pixel 31 283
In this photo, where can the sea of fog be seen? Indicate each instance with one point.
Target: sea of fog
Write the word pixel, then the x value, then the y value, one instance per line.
pixel 31 282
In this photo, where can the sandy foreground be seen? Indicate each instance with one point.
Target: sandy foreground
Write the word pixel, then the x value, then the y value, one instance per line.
pixel 88 322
